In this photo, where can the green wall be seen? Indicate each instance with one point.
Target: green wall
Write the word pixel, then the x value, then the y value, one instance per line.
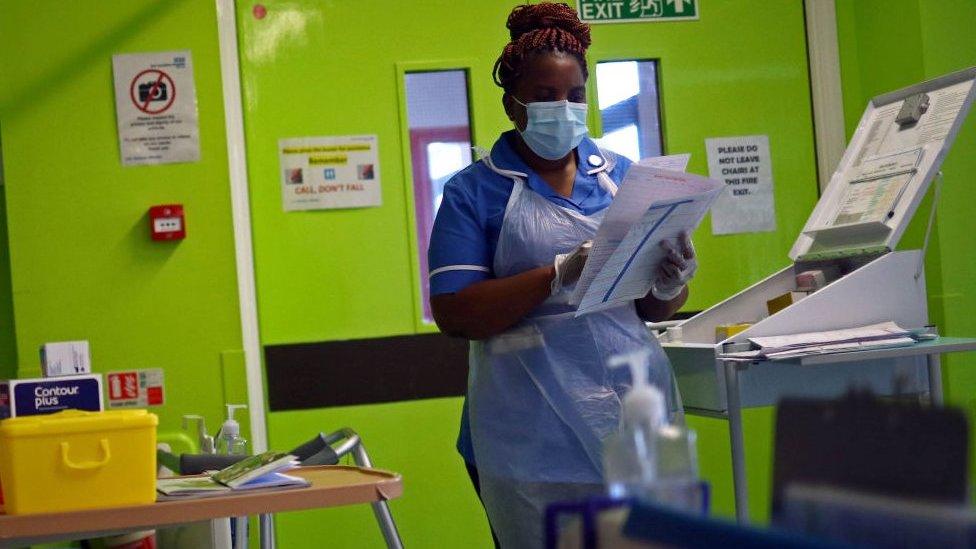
pixel 312 68
pixel 81 262
pixel 8 346
pixel 81 265
pixel 880 53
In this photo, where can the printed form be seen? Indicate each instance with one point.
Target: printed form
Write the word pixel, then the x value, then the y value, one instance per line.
pixel 653 205
pixel 878 184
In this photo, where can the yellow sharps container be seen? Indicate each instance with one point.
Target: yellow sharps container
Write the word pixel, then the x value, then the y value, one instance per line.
pixel 75 460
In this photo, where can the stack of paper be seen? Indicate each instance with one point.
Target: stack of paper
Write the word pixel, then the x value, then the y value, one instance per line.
pixel 653 204
pixel 875 336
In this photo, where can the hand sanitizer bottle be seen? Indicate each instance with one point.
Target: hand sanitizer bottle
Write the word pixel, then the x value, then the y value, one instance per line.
pixel 229 440
pixel 677 484
pixel 648 458
pixel 630 455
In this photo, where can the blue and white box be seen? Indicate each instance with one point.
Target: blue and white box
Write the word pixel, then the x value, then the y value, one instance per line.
pixel 31 397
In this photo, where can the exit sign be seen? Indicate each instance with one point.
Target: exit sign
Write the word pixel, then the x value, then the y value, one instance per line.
pixel 636 11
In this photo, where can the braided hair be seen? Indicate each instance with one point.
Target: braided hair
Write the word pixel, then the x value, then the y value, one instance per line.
pixel 545 27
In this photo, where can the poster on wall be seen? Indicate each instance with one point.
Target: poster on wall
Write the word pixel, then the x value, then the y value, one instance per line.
pixel 744 164
pixel 320 173
pixel 156 108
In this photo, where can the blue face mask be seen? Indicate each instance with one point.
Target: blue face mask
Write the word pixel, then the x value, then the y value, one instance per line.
pixel 554 128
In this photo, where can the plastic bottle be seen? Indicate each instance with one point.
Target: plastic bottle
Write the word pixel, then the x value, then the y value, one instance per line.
pixel 229 440
pixel 648 458
pixel 629 456
pixel 677 483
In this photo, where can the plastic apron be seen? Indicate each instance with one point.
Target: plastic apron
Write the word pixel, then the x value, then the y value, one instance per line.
pixel 541 398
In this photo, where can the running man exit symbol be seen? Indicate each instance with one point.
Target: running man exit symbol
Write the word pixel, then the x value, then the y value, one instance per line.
pixel 647 8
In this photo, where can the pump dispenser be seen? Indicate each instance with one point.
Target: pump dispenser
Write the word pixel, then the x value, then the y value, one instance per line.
pixel 629 455
pixel 649 458
pixel 229 440
pixel 644 404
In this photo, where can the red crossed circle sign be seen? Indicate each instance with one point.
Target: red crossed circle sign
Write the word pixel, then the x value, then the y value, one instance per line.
pixel 152 91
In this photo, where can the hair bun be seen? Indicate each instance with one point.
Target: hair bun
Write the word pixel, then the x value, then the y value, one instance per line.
pixel 531 17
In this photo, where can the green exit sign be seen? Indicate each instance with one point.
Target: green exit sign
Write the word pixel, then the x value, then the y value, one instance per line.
pixel 634 11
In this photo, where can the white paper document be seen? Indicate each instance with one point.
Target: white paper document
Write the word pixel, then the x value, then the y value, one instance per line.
pixel 673 162
pixel 881 330
pixel 156 108
pixel 876 187
pixel 886 136
pixel 875 336
pixel 745 165
pixel 653 205
pixel 627 207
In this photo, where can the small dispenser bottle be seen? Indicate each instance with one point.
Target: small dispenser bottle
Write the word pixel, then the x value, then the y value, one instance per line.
pixel 648 458
pixel 630 455
pixel 229 440
pixel 677 482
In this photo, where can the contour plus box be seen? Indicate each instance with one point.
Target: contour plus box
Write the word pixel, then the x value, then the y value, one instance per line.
pixel 31 397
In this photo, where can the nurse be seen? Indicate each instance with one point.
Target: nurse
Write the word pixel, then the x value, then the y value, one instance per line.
pixel 506 250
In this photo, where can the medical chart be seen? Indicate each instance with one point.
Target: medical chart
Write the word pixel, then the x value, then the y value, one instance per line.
pixel 653 205
pixel 885 136
pixel 673 162
pixel 876 187
pixel 627 207
pixel 888 166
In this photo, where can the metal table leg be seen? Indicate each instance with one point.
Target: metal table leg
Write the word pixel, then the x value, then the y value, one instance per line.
pixel 381 509
pixel 266 527
pixel 935 379
pixel 240 532
pixel 345 441
pixel 737 442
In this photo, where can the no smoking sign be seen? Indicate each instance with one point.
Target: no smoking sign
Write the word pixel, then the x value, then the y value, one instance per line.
pixel 152 91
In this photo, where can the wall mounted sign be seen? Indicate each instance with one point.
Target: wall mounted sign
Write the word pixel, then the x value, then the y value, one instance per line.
pixel 636 11
pixel 136 388
pixel 319 173
pixel 156 108
pixel 743 163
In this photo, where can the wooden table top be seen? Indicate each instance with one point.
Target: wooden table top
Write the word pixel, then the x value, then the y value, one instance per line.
pixel 332 485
